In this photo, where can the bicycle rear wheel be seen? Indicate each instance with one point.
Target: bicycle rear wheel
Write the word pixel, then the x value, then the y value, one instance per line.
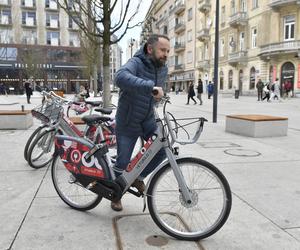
pixel 71 191
pixel 208 210
pixel 32 137
pixel 41 150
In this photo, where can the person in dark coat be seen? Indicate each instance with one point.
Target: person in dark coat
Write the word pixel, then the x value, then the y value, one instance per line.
pixel 259 87
pixel 210 89
pixel 200 91
pixel 143 73
pixel 191 93
pixel 28 90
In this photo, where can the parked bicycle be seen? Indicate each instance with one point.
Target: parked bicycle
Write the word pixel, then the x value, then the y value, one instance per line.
pixel 188 198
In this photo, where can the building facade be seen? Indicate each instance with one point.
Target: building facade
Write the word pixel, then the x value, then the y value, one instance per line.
pixel 40 40
pixel 257 39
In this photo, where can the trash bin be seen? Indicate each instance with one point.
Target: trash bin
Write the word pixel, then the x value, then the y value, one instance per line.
pixel 236 94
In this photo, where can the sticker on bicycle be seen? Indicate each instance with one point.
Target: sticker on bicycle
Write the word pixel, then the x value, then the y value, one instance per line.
pixel 73 156
pixel 135 160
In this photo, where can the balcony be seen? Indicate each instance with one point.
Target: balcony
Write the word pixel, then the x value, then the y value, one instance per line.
pixel 178 67
pixel 203 35
pixel 179 27
pixel 238 19
pixel 5 3
pixel 238 58
pixel 204 6
pixel 179 47
pixel 276 4
pixel 203 65
pixel 275 49
pixel 179 7
pixel 28 4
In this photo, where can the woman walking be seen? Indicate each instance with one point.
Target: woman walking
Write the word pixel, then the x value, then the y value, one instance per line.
pixel 191 93
pixel 200 91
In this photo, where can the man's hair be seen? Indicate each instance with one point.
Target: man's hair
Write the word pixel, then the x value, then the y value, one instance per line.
pixel 153 39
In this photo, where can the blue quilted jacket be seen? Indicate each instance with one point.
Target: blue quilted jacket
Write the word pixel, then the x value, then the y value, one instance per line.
pixel 136 79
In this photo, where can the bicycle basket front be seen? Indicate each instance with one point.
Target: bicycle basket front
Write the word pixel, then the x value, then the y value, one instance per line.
pixel 47 112
pixel 73 152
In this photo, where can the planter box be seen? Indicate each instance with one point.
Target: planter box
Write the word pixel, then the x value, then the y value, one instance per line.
pixel 13 119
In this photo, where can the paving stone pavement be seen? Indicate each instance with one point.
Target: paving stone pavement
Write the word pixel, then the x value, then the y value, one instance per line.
pixel 263 174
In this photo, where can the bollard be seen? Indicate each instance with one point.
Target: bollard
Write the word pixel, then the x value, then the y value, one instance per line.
pixel 22 108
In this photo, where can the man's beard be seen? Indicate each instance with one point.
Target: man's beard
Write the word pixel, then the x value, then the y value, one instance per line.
pixel 157 62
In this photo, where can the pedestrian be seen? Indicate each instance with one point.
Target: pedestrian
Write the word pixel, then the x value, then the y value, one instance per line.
pixel 28 90
pixel 210 89
pixel 81 95
pixel 143 73
pixel 275 91
pixel 266 90
pixel 259 87
pixel 200 90
pixel 191 93
pixel 287 88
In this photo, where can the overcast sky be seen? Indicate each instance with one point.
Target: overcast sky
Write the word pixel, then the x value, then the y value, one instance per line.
pixel 135 32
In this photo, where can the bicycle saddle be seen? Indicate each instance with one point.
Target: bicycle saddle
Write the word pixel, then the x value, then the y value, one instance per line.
pixel 106 111
pixel 94 103
pixel 91 119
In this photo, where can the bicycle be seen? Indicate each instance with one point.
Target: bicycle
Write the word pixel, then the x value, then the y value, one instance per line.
pixel 40 152
pixel 188 198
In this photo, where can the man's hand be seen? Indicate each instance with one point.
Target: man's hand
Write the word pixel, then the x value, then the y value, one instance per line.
pixel 158 93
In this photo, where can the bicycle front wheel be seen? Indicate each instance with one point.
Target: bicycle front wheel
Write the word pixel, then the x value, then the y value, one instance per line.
pixel 204 215
pixel 41 150
pixel 70 190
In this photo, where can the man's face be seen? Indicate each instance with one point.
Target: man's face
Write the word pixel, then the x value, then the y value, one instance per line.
pixel 160 51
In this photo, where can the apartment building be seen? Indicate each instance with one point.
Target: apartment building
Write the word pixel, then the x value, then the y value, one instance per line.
pixel 258 39
pixel 38 39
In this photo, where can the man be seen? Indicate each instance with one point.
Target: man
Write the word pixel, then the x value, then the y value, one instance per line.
pixel 259 87
pixel 200 90
pixel 210 89
pixel 136 79
pixel 28 90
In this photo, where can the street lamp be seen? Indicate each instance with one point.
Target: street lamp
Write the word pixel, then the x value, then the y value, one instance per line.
pixel 216 64
pixel 131 44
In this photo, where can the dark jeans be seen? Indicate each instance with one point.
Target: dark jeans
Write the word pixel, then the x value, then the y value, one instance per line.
pixel 259 95
pixel 125 146
pixel 28 98
pixel 191 97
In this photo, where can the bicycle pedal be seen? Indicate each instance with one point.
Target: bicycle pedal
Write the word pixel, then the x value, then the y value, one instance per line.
pixel 138 194
pixel 72 179
pixel 91 185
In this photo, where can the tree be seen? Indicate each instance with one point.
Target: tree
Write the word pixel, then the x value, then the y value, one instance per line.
pixel 94 19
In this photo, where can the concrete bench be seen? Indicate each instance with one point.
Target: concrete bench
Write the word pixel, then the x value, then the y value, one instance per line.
pixel 13 119
pixel 256 125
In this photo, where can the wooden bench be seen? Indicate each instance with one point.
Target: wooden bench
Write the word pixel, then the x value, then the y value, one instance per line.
pixel 15 119
pixel 256 125
pixel 76 120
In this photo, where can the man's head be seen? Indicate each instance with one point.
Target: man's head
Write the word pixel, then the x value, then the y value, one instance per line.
pixel 158 47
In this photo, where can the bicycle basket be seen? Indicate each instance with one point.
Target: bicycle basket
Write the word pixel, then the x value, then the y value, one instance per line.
pixel 47 112
pixel 184 130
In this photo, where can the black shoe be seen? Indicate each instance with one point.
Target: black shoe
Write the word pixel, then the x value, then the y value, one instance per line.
pixel 187 104
pixel 116 206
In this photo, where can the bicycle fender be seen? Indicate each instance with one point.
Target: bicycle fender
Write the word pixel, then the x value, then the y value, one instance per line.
pixel 164 163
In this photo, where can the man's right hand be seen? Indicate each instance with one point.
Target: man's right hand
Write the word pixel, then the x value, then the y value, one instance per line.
pixel 158 93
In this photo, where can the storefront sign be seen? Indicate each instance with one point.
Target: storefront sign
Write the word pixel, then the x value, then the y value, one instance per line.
pixel 38 66
pixel 298 85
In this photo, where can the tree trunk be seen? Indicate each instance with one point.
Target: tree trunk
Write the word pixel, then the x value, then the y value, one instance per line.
pixel 95 82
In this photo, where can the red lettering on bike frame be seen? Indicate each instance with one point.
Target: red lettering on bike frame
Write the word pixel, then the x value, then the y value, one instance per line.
pixel 72 126
pixel 134 161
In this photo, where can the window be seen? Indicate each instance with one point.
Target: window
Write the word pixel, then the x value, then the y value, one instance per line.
pixel 28 3
pixel 189 36
pixel 8 54
pixel 189 57
pixel 254 4
pixel 5 16
pixel 242 41
pixel 74 40
pixel 52 20
pixel 230 79
pixel 222 46
pixel 289 28
pixel 231 44
pixel 29 18
pixel 51 4
pixel 252 78
pixel 223 13
pixel 172 23
pixel 53 38
pixel 232 5
pixel 254 38
pixel 29 37
pixel 190 14
pixel 72 23
pixel 6 36
pixel 243 5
